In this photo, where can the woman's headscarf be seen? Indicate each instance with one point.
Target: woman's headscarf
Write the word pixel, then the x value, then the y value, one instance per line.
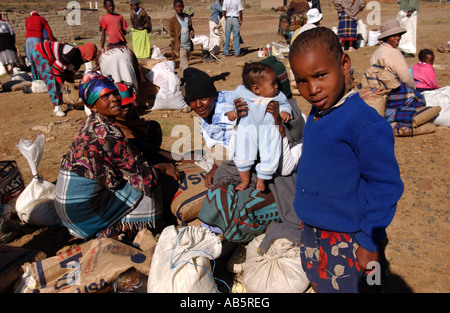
pixel 88 51
pixel 93 86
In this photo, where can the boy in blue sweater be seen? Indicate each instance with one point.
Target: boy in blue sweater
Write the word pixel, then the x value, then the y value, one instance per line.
pixel 348 181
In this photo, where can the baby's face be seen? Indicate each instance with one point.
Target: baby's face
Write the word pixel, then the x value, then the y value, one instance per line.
pixel 320 78
pixel 268 86
pixel 429 58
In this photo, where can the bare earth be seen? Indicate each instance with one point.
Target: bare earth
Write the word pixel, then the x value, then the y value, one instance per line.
pixel 417 251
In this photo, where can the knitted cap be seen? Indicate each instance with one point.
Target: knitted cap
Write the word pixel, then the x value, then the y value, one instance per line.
pixel 198 84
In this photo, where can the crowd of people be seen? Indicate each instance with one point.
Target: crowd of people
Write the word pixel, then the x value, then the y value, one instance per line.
pixel 339 159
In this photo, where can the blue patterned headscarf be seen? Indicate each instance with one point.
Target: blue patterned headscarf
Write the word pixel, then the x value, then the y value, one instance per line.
pixel 93 86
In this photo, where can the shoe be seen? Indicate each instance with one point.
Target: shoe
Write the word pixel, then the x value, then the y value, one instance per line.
pixel 58 112
pixel 239 55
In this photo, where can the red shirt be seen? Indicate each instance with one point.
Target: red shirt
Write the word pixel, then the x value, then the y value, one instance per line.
pixel 114 24
pixel 35 25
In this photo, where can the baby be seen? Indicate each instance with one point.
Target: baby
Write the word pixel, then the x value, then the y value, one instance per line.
pixel 256 132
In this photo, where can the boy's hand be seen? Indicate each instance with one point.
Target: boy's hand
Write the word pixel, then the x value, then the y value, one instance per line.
pixel 285 117
pixel 232 115
pixel 364 256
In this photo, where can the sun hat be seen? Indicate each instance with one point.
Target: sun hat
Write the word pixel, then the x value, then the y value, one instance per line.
pixel 127 95
pixel 313 16
pixel 390 28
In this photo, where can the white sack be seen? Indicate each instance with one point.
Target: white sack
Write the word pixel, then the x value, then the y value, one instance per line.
pixel 362 29
pixel 439 97
pixel 35 204
pixel 373 38
pixel 181 261
pixel 169 96
pixel 39 86
pixel 408 42
pixel 277 271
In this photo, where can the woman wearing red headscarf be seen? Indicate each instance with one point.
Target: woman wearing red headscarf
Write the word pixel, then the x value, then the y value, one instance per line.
pixel 56 63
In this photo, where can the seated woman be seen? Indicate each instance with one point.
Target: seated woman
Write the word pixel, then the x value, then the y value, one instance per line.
pixel 403 103
pixel 105 186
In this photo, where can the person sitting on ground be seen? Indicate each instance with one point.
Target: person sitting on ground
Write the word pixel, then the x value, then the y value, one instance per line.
pixel 423 72
pixel 256 133
pixel 114 25
pixel 348 179
pixel 55 63
pixel 105 186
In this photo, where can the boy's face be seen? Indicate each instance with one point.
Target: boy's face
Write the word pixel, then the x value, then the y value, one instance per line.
pixel 268 86
pixel 134 7
pixel 109 7
pixel 179 7
pixel 320 78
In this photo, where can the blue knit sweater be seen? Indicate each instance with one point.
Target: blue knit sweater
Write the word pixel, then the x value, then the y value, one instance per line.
pixel 348 178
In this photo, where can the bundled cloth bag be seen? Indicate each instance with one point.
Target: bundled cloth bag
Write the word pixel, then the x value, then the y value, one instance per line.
pixel 439 98
pixel 181 261
pixel 35 204
pixel 169 96
pixel 278 271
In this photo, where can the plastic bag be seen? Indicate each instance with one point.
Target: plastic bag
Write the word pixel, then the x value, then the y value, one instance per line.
pixel 35 204
pixel 157 54
pixel 181 262
pixel 169 96
pixel 439 97
pixel 38 86
pixel 278 270
pixel 373 38
pixel 408 42
pixel 362 29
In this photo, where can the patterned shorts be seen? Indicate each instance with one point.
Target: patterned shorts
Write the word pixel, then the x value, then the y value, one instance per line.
pixel 329 261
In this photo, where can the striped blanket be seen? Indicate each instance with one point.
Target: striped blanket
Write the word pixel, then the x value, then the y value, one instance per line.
pixel 87 208
pixel 402 104
pixel 241 215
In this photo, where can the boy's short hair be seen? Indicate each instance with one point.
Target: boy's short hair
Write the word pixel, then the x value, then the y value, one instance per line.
pixel 317 37
pixel 177 1
pixel 251 74
pixel 423 54
pixel 105 1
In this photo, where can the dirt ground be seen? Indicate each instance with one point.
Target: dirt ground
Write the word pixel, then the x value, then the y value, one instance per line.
pixel 417 249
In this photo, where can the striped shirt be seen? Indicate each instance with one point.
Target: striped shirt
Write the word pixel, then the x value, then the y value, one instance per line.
pixel 65 59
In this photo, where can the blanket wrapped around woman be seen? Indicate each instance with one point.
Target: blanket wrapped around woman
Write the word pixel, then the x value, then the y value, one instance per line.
pixel 103 181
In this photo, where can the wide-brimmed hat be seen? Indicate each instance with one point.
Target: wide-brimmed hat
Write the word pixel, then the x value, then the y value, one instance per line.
pixel 390 28
pixel 313 16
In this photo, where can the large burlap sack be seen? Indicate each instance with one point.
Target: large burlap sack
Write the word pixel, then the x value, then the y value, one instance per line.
pixel 191 192
pixel 182 261
pixel 88 267
pixel 439 97
pixel 279 270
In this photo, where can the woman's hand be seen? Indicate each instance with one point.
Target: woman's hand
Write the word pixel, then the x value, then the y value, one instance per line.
pixel 169 169
pixel 241 107
pixel 274 108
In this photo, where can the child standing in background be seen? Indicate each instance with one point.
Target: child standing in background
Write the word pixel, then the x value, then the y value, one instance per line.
pixel 348 179
pixel 257 131
pixel 114 25
pixel 423 72
pixel 141 26
pixel 181 32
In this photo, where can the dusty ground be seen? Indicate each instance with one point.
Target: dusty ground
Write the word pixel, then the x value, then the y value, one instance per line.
pixel 417 250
